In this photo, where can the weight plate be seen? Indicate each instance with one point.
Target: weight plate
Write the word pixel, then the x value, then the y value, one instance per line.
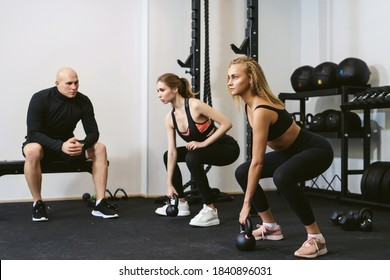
pixel 385 187
pixel 366 173
pixel 373 180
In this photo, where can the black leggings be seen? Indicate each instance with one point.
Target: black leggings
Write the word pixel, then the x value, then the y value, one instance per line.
pixel 222 152
pixel 308 157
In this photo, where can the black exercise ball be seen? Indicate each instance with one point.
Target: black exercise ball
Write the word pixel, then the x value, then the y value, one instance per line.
pixel 301 78
pixel 352 72
pixel 318 123
pixel 354 121
pixel 332 120
pixel 323 76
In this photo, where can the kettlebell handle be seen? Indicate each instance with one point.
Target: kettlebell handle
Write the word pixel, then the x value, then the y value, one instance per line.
pixel 248 228
pixel 174 197
pixel 172 210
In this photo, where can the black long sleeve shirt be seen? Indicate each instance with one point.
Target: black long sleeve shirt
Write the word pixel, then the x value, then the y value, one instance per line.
pixel 52 119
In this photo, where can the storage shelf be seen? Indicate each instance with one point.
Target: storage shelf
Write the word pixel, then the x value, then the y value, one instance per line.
pixel 365 133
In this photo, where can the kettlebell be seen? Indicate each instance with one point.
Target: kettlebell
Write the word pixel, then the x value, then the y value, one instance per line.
pixel 245 241
pixel 172 209
pixel 298 118
pixel 365 219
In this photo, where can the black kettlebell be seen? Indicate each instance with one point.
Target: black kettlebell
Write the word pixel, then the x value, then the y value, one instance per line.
pixel 365 219
pixel 245 241
pixel 298 118
pixel 172 209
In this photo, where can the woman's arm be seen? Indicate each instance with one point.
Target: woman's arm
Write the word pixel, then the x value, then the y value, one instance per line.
pixel 260 126
pixel 172 154
pixel 199 108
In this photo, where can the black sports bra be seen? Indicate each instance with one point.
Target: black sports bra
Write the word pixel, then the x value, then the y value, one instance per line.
pixel 195 131
pixel 281 125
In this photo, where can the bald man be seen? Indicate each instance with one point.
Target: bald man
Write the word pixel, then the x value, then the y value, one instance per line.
pixel 52 117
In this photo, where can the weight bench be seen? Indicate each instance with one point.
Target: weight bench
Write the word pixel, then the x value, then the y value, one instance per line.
pixel 17 167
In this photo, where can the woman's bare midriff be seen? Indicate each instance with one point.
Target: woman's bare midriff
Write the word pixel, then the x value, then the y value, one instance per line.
pixel 284 141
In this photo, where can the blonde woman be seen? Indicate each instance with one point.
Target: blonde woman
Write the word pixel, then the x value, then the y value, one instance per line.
pixel 297 155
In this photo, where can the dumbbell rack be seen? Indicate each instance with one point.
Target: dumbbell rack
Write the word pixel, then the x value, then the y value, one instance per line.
pixel 366 106
pixel 345 92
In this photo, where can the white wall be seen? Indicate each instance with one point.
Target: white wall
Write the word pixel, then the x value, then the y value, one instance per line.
pixel 170 39
pixel 119 48
pixel 103 42
pixel 334 30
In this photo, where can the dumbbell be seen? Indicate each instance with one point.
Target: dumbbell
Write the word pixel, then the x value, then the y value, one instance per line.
pixel 353 219
pixel 361 98
pixel 335 217
pixel 380 98
pixel 89 199
pixel 350 220
pixel 387 97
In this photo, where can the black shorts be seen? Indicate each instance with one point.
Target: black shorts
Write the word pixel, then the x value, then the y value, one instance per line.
pixel 51 155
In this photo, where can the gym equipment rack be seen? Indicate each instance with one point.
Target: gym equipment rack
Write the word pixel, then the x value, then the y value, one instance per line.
pixel 193 60
pixel 345 92
pixel 347 106
pixel 250 48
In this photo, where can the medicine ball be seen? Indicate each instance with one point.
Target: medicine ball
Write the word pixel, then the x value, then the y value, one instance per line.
pixel 354 121
pixel 318 123
pixel 301 78
pixel 323 76
pixel 332 120
pixel 352 72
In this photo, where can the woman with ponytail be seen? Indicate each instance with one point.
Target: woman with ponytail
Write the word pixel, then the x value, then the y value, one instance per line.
pixel 203 128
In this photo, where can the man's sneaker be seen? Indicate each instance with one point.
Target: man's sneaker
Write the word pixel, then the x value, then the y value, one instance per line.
pixel 312 248
pixel 207 217
pixel 183 207
pixel 264 233
pixel 104 210
pixel 39 212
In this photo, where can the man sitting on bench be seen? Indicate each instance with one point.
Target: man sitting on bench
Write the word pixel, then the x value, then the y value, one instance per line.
pixel 52 117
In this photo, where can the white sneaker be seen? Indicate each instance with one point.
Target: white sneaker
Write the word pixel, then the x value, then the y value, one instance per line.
pixel 207 217
pixel 184 209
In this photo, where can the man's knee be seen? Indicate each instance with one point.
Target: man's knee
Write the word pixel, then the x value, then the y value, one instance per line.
pixel 100 147
pixel 97 151
pixel 33 152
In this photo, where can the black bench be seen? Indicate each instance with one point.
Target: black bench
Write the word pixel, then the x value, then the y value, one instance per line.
pixel 17 167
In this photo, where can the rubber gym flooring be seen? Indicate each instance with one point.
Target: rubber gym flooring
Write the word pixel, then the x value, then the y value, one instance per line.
pixel 72 233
